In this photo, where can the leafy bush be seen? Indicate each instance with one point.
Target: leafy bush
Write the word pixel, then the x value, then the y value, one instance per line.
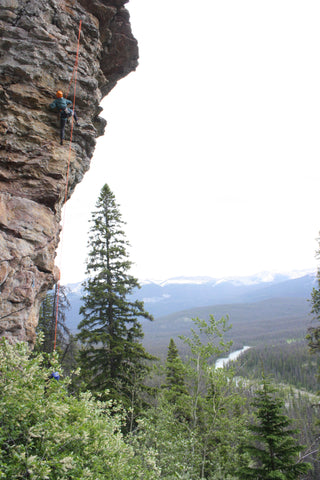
pixel 46 433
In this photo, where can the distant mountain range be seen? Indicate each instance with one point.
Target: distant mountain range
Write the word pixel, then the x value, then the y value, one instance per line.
pixel 180 294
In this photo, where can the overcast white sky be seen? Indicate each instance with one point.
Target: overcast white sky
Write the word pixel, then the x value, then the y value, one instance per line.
pixel 212 147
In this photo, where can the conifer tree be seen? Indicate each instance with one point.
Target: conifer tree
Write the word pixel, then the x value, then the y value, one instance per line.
pixel 272 448
pixel 175 372
pixel 112 354
pixel 313 336
pixel 175 391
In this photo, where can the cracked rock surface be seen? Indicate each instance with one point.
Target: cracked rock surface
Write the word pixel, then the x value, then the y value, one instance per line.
pixel 38 44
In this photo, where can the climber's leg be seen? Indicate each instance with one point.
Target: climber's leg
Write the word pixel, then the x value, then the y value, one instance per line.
pixel 62 127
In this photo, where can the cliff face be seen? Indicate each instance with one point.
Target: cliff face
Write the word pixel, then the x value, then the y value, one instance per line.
pixel 38 44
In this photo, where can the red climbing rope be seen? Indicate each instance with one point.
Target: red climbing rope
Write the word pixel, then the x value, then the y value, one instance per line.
pixel 74 73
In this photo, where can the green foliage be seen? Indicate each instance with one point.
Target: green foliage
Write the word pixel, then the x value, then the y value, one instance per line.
pixel 193 430
pixel 207 339
pixel 217 417
pixel 175 373
pixel 272 449
pixel 303 409
pixel 171 438
pixel 48 318
pixel 199 418
pixel 313 336
pixel 206 344
pixel 66 344
pixel 112 356
pixel 47 434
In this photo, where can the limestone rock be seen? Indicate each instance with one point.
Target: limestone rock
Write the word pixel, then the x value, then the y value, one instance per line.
pixel 37 55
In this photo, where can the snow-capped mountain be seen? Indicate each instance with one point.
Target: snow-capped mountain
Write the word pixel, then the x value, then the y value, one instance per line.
pixel 261 277
pixel 180 293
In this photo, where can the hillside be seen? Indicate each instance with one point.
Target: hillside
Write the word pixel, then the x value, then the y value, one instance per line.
pixel 265 322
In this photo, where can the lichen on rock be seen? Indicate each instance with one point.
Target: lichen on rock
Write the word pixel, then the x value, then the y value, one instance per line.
pixel 37 56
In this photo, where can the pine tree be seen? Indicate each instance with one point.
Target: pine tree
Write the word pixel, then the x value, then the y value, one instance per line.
pixel 272 449
pixel 175 372
pixel 112 354
pixel 313 336
pixel 174 389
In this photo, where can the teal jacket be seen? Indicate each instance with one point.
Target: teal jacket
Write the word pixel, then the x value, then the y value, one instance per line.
pixel 60 103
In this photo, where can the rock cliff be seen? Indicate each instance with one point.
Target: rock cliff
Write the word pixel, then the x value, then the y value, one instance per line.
pixel 38 46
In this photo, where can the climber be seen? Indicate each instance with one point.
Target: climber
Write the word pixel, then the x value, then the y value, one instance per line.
pixel 60 104
pixel 55 375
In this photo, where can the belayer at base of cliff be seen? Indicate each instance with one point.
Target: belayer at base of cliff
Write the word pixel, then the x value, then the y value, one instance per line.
pixel 60 104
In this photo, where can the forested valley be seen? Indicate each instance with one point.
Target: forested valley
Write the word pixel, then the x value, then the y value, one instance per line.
pixel 288 363
pixel 98 405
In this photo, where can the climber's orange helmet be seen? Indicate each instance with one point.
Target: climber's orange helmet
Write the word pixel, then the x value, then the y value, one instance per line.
pixel 59 94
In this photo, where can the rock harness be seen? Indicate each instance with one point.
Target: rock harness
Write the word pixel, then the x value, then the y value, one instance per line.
pixel 73 78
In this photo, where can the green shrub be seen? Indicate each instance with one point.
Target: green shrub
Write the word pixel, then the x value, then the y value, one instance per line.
pixel 46 433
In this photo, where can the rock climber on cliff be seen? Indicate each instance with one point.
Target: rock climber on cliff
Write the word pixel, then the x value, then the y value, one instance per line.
pixel 60 104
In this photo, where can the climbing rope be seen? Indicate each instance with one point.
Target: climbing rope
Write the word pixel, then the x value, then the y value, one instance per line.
pixel 74 74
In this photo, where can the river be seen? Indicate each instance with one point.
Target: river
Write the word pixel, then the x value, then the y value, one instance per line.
pixel 221 362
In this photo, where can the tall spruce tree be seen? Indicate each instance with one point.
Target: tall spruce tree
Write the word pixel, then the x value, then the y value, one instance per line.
pixel 273 449
pixel 174 389
pixel 175 372
pixel 112 356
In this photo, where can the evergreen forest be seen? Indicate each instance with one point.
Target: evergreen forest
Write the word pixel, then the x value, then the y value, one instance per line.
pixel 98 405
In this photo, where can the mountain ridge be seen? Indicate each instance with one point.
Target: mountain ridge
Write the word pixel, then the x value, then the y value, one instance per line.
pixel 169 297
